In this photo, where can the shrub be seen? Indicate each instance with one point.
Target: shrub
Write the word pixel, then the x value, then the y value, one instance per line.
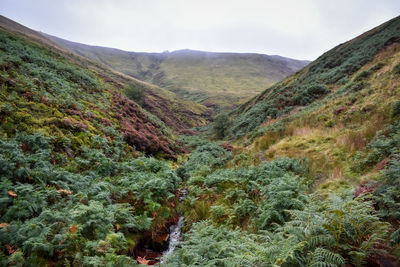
pixel 363 75
pixel 136 93
pixel 207 156
pixel 396 108
pixel 396 69
pixel 388 194
pixel 221 125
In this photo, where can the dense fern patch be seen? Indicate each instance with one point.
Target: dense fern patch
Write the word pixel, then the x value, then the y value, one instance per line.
pixel 80 211
pixel 265 216
pixel 76 187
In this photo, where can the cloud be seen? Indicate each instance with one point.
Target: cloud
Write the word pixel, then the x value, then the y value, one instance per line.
pixel 299 29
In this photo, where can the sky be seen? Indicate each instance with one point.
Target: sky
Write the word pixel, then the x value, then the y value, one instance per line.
pixel 301 29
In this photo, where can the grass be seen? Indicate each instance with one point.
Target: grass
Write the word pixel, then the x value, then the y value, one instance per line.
pixel 176 112
pixel 217 80
pixel 341 71
pixel 331 140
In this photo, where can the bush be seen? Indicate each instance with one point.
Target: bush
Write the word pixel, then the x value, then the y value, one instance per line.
pixel 136 93
pixel 396 69
pixel 388 194
pixel 396 108
pixel 205 157
pixel 221 125
pixel 363 75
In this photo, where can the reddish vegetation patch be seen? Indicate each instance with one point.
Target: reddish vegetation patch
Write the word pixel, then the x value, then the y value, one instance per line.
pixel 381 165
pixel 12 193
pixel 44 100
pixel 184 119
pixel 10 249
pixel 188 132
pixel 227 146
pixel 365 187
pixel 64 192
pixel 74 112
pixel 210 105
pixel 28 95
pixel 380 258
pixel 24 147
pixel 139 131
pixel 110 80
pixel 72 229
pixel 73 124
pixel 339 110
pixel 106 122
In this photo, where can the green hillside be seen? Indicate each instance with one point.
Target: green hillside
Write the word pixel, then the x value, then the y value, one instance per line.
pixel 71 144
pixel 307 173
pixel 312 178
pixel 176 112
pixel 332 74
pixel 217 80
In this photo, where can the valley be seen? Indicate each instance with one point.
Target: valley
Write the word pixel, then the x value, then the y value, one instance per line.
pixel 110 158
pixel 216 80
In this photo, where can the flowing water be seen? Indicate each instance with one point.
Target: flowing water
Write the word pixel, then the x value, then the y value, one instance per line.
pixel 175 231
pixel 175 237
pixel 149 254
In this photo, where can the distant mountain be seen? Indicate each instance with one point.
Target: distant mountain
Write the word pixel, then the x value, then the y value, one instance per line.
pixel 217 80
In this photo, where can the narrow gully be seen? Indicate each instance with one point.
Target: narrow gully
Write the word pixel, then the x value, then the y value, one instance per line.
pixel 151 255
pixel 175 230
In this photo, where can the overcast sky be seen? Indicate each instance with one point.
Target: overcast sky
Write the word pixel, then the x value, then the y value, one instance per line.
pixel 292 28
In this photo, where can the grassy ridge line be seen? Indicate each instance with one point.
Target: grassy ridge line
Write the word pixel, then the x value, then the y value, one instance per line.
pixel 214 79
pixel 44 92
pixel 208 77
pixel 176 109
pixel 335 132
pixel 322 77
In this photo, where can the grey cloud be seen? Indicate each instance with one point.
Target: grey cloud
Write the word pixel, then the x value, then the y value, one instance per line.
pixel 292 28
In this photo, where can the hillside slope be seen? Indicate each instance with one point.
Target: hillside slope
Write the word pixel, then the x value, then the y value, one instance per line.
pixel 89 178
pixel 84 171
pixel 332 112
pixel 331 74
pixel 176 112
pixel 312 177
pixel 214 79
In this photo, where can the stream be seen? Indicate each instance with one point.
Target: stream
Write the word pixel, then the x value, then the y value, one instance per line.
pixel 175 230
pixel 154 255
pixel 175 237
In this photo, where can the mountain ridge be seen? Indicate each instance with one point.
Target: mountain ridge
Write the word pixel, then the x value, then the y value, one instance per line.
pixel 174 106
pixel 215 79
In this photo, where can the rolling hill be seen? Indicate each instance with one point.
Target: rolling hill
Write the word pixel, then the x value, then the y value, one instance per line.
pixel 216 80
pixel 306 173
pixel 78 157
pixel 332 112
pixel 313 178
pixel 176 112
